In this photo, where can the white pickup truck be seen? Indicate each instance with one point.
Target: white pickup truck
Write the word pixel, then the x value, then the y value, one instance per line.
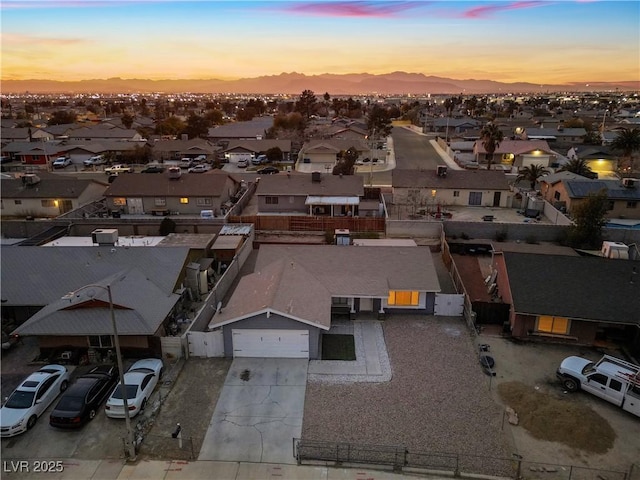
pixel 612 379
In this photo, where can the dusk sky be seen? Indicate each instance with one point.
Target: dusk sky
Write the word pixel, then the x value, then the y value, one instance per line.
pixel 545 42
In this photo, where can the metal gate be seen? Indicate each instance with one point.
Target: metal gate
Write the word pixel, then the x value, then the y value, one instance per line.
pixel 206 344
pixel 449 305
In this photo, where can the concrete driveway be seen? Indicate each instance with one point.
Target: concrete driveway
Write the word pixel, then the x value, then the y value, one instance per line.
pixel 259 412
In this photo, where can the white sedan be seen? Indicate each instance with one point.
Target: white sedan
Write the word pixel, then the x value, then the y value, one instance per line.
pixel 31 399
pixel 140 381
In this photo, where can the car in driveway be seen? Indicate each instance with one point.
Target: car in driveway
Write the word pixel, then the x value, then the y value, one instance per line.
pixel 80 403
pixel 267 171
pixel 118 168
pixel 31 398
pixel 139 382
pixel 199 169
pixel 260 159
pixel 95 160
pixel 61 162
pixel 243 163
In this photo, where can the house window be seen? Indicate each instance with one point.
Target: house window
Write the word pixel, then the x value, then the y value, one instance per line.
pixel 475 199
pixel 204 201
pixel 48 203
pixel 611 205
pixel 556 325
pixel 160 202
pixel 632 204
pixel 119 202
pixel 271 200
pixel 340 300
pixel 456 193
pixel 18 202
pixel 184 200
pixel 100 341
pixel 403 298
pixel 556 195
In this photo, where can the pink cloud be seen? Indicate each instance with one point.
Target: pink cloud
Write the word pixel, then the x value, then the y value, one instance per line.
pixel 496 7
pixel 352 9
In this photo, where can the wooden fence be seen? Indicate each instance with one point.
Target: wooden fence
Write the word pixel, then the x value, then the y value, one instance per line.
pixel 311 224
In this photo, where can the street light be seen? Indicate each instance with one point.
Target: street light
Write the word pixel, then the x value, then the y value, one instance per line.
pixel 130 446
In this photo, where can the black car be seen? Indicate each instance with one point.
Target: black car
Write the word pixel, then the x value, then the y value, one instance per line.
pixel 153 169
pixel 268 171
pixel 81 401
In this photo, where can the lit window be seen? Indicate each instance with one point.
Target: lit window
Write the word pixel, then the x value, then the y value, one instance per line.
pixel 403 298
pixel 184 200
pixel 556 325
pixel 48 203
pixel 119 202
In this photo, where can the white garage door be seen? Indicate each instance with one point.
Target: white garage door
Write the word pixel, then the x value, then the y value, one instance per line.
pixel 271 343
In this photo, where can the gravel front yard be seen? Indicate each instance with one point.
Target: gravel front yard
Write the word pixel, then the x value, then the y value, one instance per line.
pixel 438 399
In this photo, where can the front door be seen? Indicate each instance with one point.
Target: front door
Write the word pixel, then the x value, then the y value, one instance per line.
pixel 65 206
pixel 496 199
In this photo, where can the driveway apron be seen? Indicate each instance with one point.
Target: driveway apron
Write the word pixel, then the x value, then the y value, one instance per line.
pixel 259 412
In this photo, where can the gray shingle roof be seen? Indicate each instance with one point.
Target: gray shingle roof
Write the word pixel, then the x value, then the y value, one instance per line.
pixel 255 127
pixel 302 184
pixel 47 188
pixel 259 145
pixel 210 184
pixel 88 313
pixel 455 179
pixel 40 275
pixel 589 288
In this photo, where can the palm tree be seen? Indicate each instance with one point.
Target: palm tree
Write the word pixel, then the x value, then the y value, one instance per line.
pixel 628 141
pixel 491 137
pixel 532 173
pixel 578 166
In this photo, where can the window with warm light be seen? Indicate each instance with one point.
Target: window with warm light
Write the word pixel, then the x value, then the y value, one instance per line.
pixel 403 298
pixel 119 202
pixel 48 203
pixel 555 325
pixel 184 200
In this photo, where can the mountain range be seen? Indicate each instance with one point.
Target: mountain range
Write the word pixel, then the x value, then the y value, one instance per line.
pixel 395 83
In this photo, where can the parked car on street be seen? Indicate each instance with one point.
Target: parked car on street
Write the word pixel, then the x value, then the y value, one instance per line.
pixel 139 382
pixel 153 169
pixel 61 162
pixel 260 159
pixel 80 403
pixel 268 171
pixel 202 168
pixel 95 160
pixel 118 168
pixel 31 398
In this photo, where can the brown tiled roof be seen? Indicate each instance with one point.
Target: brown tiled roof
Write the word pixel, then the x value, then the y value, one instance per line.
pixel 209 184
pixel 458 179
pixel 302 184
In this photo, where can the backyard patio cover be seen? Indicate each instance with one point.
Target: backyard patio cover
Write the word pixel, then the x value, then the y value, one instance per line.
pixel 322 200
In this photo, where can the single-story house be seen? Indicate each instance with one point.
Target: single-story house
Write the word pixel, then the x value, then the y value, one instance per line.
pixel 317 194
pixel 241 148
pixel 518 153
pixel 560 134
pixel 166 150
pixel 283 308
pixel 623 195
pixel 162 195
pixel 145 286
pixel 254 129
pixel 98 133
pixel 24 134
pixel 583 300
pixel 323 154
pixel 553 191
pixel 452 126
pixel 455 187
pixel 34 153
pixel 47 195
pixel 600 160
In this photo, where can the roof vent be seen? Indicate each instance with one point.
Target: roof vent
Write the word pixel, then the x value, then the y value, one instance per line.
pixel 315 177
